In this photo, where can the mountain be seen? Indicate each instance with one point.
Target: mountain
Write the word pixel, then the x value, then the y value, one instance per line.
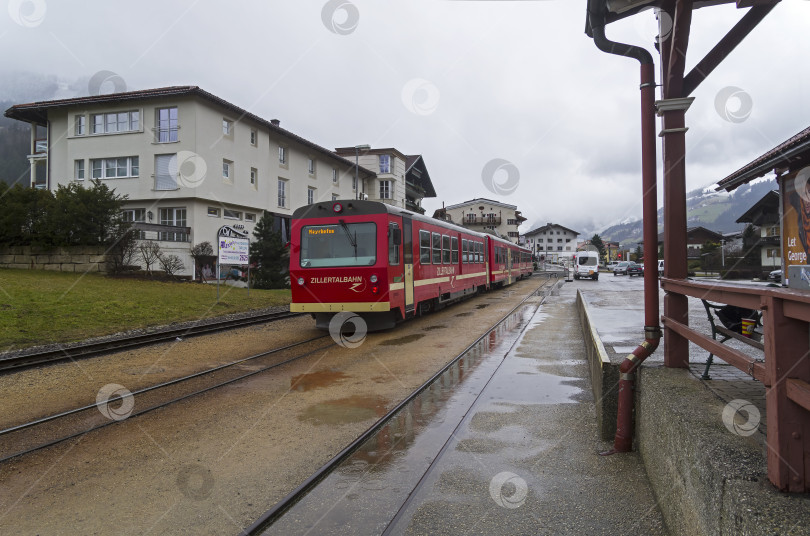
pixel 717 211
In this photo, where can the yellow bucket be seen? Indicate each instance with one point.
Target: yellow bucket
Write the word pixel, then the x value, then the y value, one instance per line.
pixel 748 326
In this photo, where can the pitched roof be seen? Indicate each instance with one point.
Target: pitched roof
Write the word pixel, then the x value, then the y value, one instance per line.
pixel 768 205
pixel 548 226
pixel 793 151
pixel 420 175
pixel 37 112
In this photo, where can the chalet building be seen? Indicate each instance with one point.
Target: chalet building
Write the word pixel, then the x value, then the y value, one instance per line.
pixel 696 237
pixel 764 216
pixel 552 242
pixel 401 180
pixel 188 161
pixel 482 214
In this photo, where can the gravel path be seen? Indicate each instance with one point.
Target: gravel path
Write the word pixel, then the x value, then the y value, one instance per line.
pixel 213 463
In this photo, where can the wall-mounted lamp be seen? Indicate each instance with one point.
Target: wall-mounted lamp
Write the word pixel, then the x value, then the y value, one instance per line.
pixel 149 215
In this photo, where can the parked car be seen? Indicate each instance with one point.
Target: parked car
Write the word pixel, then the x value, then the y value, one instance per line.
pixel 611 265
pixel 634 269
pixel 621 268
pixel 775 276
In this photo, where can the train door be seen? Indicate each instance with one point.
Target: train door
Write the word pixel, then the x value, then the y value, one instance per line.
pixel 407 258
pixel 508 266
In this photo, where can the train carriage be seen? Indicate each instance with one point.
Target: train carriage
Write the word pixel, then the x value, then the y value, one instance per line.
pixel 384 263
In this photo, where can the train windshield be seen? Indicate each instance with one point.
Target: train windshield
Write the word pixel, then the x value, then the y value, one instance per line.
pixel 344 244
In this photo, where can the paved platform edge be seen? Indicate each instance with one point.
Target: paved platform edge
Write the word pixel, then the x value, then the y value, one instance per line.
pixel 604 374
pixel 706 479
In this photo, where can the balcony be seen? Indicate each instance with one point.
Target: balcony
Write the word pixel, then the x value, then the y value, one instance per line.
pixel 410 205
pixel 473 219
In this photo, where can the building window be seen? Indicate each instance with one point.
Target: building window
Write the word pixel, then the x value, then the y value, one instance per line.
pixel 250 217
pixel 80 125
pixel 335 197
pixel 253 137
pixel 511 222
pixel 282 193
pixel 227 127
pixel 334 176
pixel 78 170
pixel 254 176
pixel 470 218
pixel 559 240
pixel 311 166
pixel 354 184
pixel 282 155
pixel 227 170
pixel 559 248
pixel 310 196
pixel 213 212
pixel 175 217
pixel 772 253
pixel 773 231
pixel 231 214
pixel 116 122
pixel 385 189
pixel 539 240
pixel 167 125
pixel 385 163
pixel 133 215
pixel 567 240
pixel 165 177
pixel 114 168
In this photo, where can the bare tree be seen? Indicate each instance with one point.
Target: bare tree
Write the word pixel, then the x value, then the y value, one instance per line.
pixel 150 253
pixel 171 264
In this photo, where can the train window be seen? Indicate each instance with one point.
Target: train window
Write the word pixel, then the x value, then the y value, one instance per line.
pixel 424 247
pixel 463 251
pixel 477 251
pixel 346 244
pixel 393 247
pixel 437 248
pixel 454 248
pixel 473 252
pixel 445 249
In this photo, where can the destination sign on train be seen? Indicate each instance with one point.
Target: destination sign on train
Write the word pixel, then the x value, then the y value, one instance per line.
pixel 322 231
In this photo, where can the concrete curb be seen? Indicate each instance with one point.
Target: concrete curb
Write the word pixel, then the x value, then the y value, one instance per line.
pixel 604 374
pixel 707 480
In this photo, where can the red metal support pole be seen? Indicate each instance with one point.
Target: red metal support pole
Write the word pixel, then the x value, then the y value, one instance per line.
pixel 673 57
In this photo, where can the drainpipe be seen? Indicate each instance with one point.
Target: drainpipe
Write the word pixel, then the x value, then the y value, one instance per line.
pixel 623 442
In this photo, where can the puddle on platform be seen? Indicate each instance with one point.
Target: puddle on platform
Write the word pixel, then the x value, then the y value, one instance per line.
pixel 431 328
pixel 482 305
pixel 317 379
pixel 402 340
pixel 469 313
pixel 345 410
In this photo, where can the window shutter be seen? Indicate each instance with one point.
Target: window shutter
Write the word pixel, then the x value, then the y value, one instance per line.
pixel 165 172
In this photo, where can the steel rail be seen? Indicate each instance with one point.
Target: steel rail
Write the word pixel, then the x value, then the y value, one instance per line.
pixel 162 404
pixel 134 341
pixel 272 515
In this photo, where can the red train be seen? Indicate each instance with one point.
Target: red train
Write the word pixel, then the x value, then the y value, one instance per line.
pixel 388 264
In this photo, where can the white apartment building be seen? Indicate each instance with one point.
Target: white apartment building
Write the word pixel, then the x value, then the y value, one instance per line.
pixel 552 242
pixel 402 180
pixel 484 215
pixel 188 161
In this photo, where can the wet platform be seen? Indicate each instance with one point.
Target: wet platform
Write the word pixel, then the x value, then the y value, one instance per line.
pixel 505 442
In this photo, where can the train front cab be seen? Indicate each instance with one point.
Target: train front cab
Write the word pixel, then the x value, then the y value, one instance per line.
pixel 351 256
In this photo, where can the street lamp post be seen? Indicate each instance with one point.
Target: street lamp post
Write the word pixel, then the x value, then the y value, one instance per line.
pixel 357 167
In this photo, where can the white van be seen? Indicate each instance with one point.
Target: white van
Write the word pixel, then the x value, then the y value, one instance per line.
pixel 586 264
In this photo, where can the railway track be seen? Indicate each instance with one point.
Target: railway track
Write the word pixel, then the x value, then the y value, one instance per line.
pixel 92 349
pixel 266 521
pixel 44 432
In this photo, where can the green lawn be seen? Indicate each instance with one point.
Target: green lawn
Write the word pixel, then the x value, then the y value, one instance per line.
pixel 39 307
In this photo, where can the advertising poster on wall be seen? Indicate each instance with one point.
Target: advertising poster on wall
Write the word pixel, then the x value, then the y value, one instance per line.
pixel 796 219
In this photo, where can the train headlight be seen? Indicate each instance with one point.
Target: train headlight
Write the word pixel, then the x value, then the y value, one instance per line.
pixel 373 278
pixel 301 281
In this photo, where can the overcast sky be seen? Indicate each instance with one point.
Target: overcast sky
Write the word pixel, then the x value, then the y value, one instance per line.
pixel 464 83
